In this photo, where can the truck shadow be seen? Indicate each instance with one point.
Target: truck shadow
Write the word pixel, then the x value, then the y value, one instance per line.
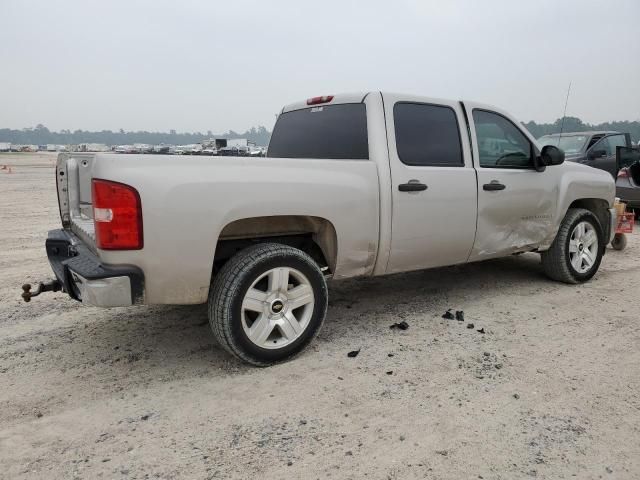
pixel 176 340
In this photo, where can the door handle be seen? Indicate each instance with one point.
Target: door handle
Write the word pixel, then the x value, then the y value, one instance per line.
pixel 412 186
pixel 493 186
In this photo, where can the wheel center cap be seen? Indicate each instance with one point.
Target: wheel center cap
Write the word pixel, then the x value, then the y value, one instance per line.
pixel 277 306
pixel 580 247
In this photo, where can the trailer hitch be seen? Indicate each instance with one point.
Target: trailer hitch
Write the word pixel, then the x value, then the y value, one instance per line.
pixel 50 286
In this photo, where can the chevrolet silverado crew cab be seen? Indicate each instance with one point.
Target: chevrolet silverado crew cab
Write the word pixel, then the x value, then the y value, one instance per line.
pixel 352 185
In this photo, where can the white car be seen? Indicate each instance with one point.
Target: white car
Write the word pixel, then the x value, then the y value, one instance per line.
pixel 352 185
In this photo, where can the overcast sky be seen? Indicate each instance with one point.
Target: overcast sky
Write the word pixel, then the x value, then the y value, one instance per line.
pixel 214 65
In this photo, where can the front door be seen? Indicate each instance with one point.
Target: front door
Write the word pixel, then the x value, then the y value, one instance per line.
pixel 516 203
pixel 434 190
pixel 602 154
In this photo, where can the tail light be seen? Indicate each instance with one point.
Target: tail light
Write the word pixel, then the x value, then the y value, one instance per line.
pixel 117 214
pixel 318 100
pixel 623 173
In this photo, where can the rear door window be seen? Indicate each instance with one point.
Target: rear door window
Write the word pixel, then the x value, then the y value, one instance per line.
pixel 326 131
pixel 427 135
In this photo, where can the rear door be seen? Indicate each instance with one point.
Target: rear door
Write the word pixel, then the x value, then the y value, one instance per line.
pixel 516 203
pixel 434 190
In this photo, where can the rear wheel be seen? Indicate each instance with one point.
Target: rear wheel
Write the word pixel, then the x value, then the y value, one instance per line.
pixel 267 303
pixel 576 252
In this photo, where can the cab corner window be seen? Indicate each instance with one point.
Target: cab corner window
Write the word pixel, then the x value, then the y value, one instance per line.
pixel 500 143
pixel 427 135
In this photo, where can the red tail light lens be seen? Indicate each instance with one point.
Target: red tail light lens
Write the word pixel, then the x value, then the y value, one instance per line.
pixel 317 100
pixel 623 173
pixel 117 214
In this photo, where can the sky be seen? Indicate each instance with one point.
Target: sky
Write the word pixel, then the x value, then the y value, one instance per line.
pixel 198 65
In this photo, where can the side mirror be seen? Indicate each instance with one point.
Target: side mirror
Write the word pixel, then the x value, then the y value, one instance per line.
pixel 593 154
pixel 551 155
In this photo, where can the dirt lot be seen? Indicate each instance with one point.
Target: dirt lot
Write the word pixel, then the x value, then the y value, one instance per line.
pixel 551 390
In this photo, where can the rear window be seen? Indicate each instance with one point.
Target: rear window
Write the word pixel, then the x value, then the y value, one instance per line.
pixel 327 131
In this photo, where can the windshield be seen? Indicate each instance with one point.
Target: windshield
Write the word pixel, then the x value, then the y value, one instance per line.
pixel 569 144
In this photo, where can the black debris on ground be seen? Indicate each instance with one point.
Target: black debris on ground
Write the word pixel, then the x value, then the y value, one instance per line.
pixel 516 396
pixel 448 315
pixel 481 330
pixel 354 353
pixel 389 354
pixel 400 326
pixel 390 372
pixel 470 326
pixel 460 315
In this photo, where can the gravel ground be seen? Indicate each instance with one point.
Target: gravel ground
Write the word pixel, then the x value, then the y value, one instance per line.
pixel 550 390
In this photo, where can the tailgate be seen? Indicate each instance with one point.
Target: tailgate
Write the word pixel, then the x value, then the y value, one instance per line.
pixel 73 174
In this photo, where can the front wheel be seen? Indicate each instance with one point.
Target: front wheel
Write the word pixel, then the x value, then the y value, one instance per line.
pixel 267 303
pixel 576 252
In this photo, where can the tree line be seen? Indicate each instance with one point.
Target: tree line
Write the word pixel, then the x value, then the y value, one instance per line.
pixel 41 135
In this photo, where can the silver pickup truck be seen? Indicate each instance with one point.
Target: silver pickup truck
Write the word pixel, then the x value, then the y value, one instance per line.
pixel 352 185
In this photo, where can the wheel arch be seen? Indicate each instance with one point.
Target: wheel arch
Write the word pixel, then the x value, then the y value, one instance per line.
pixel 314 235
pixel 600 208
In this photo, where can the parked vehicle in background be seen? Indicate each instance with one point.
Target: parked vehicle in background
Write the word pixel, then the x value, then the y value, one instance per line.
pixel 163 149
pixel 595 149
pixel 628 178
pixel 353 185
pixel 5 147
pixel 124 149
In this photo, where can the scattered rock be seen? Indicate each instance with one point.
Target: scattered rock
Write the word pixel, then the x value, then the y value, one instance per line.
pixel 516 396
pixel 389 354
pixel 354 353
pixel 289 463
pixel 487 354
pixel 38 414
pixel 349 453
pixel 444 453
pixel 401 326
pixel 609 470
pixel 390 372
pixel 481 330
pixel 303 422
pixel 470 326
pixel 448 315
pixel 460 315
pixel 402 438
pixel 145 416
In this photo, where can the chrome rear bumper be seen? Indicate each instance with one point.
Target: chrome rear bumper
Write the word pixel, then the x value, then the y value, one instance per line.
pixel 86 279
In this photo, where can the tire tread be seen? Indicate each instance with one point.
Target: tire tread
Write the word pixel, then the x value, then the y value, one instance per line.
pixel 554 260
pixel 225 288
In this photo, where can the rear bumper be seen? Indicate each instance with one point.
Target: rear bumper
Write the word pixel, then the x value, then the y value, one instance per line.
pixel 85 279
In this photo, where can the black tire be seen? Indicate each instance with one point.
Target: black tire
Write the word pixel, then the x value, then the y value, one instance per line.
pixel 619 241
pixel 556 261
pixel 230 286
